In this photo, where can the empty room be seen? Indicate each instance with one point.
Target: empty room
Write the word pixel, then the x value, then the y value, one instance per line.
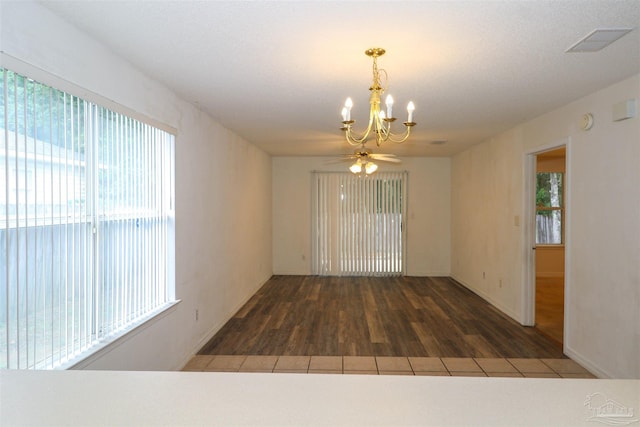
pixel 238 213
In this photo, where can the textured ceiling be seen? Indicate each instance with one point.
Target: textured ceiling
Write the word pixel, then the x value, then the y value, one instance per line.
pixel 278 72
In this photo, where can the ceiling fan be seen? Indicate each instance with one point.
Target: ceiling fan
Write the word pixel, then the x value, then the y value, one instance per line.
pixel 363 160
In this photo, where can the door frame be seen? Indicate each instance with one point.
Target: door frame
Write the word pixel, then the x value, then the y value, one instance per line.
pixel 529 234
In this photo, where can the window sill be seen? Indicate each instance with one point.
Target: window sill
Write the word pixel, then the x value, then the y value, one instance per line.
pixel 108 344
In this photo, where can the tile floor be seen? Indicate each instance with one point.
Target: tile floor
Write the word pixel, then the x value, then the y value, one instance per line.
pixel 440 366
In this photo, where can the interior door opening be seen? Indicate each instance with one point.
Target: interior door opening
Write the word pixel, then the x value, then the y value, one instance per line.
pixel 549 257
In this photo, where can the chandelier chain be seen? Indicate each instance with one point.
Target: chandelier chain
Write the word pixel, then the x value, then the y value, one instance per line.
pixel 377 83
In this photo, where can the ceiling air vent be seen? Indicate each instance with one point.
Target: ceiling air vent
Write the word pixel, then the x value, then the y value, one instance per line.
pixel 598 39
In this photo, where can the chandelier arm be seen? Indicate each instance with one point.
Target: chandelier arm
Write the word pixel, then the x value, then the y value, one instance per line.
pixel 354 140
pixel 374 114
pixel 383 132
pixel 401 139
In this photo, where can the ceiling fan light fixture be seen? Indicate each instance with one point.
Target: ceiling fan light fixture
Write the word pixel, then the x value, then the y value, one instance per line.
pixel 370 168
pixel 356 167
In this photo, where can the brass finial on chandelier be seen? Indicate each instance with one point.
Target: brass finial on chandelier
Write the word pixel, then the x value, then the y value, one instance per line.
pixel 379 121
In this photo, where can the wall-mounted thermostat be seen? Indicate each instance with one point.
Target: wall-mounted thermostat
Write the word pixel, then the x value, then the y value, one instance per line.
pixel 587 121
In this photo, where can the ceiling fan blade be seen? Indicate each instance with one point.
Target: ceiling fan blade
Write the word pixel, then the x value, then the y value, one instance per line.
pixel 385 158
pixel 389 159
pixel 340 160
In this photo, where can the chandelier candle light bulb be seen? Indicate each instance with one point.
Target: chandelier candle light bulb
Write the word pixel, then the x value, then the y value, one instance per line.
pixel 347 106
pixel 389 103
pixel 410 109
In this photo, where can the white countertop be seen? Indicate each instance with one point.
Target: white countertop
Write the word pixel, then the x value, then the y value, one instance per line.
pixel 84 398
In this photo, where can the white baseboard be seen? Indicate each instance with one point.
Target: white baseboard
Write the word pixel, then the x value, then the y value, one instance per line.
pixel 586 363
pixel 428 273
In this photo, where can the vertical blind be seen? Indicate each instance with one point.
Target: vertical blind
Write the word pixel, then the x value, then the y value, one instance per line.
pixel 358 223
pixel 85 224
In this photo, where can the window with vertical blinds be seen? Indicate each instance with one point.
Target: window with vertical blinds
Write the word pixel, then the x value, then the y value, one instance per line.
pixel 86 224
pixel 358 224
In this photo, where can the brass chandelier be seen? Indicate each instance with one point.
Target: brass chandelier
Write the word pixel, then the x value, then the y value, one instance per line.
pixel 379 120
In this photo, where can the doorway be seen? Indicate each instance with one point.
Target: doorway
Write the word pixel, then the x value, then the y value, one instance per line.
pixel 550 232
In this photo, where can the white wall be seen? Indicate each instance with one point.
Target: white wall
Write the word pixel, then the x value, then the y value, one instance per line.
pixel 223 189
pixel 486 205
pixel 428 215
pixel 602 307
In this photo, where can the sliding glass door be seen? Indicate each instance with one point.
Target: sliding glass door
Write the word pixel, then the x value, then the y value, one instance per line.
pixel 358 224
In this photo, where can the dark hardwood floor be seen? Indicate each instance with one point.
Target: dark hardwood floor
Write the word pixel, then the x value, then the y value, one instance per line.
pixel 371 316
